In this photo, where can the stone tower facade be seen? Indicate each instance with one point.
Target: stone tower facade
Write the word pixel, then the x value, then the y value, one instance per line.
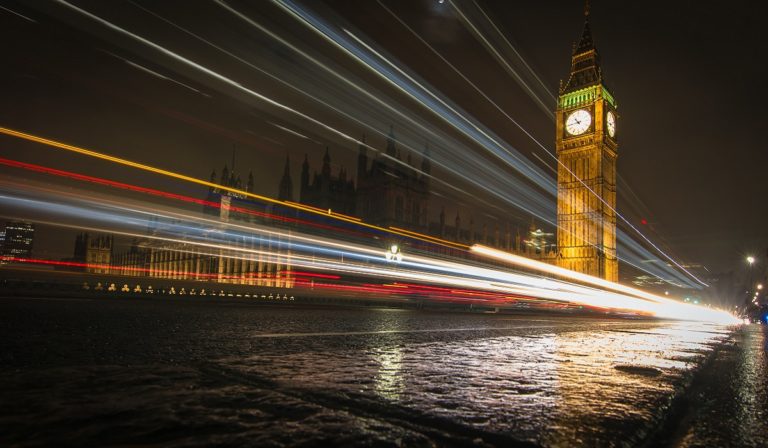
pixel 586 177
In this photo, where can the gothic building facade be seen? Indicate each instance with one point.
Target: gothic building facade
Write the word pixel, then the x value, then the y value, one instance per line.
pixel 247 260
pixel 95 251
pixel 392 192
pixel 388 191
pixel 323 190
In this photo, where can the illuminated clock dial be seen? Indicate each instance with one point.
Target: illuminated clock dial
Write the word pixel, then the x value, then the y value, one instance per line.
pixel 578 122
pixel 610 123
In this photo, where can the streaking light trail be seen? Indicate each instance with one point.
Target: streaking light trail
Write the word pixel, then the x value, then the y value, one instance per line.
pixel 132 164
pixel 345 218
pixel 535 205
pixel 205 183
pixel 470 281
pixel 541 101
pixel 392 73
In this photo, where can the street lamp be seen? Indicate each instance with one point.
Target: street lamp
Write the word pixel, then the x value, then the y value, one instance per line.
pixel 394 253
pixel 751 279
pixel 759 286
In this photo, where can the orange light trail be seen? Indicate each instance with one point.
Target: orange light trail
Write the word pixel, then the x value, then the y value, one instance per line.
pixel 427 238
pixel 659 306
pixel 160 193
pixel 561 272
pixel 662 307
pixel 194 180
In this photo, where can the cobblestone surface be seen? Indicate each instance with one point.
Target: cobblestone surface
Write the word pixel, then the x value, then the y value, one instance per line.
pixel 202 373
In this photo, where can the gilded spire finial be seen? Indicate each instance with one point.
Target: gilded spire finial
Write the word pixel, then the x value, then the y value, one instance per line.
pixel 586 8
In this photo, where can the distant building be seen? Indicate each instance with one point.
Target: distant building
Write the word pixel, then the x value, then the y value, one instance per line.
pixel 391 192
pixel 95 251
pixel 17 239
pixel 133 262
pixel 323 190
pixel 260 261
pixel 388 192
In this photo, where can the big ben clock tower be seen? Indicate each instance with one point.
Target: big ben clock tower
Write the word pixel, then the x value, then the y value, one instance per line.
pixel 587 124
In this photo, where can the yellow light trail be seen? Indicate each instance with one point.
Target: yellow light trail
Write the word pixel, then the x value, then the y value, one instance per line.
pixel 424 237
pixel 561 272
pixel 417 268
pixel 479 35
pixel 184 177
pixel 664 307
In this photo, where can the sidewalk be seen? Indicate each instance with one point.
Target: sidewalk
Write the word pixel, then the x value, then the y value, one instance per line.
pixel 727 405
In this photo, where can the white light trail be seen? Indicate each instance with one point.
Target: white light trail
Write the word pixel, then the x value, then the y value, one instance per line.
pixel 505 64
pixel 158 75
pixel 457 119
pixel 18 14
pixel 519 163
pixel 666 307
pixel 238 240
pixel 546 107
pixel 207 71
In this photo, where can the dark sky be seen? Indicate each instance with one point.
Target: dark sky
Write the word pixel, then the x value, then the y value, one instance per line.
pixel 688 76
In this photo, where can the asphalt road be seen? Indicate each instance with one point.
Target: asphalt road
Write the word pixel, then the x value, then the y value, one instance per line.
pixel 222 373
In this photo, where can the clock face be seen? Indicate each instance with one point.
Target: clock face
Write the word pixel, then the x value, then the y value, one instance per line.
pixel 610 123
pixel 578 122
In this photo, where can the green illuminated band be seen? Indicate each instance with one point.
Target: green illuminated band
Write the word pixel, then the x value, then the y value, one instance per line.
pixel 584 96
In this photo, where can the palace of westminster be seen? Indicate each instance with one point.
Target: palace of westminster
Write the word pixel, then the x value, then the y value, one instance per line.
pixel 386 193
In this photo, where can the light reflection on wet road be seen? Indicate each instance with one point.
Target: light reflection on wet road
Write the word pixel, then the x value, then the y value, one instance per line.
pixel 202 373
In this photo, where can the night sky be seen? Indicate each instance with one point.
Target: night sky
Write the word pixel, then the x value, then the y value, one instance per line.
pixel 688 76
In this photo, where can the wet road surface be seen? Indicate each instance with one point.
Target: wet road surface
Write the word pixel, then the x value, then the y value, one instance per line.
pixel 202 373
pixel 727 404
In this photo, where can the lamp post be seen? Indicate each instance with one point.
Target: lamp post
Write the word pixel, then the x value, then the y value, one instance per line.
pixel 751 262
pixel 752 300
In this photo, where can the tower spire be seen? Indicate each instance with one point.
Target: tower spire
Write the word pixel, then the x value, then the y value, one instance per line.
pixel 586 43
pixel 391 151
pixel 585 61
pixel 362 160
pixel 426 165
pixel 285 192
pixel 326 170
